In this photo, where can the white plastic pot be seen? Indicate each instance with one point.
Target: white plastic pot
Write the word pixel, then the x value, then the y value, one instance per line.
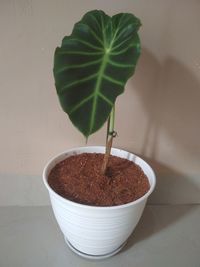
pixel 97 232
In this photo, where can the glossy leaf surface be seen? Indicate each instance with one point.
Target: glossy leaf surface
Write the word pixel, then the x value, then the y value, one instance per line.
pixel 93 65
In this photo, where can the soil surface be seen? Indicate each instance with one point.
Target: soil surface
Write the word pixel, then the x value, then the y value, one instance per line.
pixel 78 178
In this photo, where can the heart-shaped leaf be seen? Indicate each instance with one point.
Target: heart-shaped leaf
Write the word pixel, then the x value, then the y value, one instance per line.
pixel 93 65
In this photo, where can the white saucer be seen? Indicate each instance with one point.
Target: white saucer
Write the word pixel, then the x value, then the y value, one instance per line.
pixel 93 257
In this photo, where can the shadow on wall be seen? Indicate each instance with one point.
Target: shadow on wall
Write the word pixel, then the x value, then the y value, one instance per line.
pixel 170 94
pixel 172 187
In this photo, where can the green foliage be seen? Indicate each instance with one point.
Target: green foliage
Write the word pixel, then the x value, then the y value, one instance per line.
pixel 93 65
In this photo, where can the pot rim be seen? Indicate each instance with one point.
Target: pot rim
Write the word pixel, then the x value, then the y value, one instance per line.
pixel 45 181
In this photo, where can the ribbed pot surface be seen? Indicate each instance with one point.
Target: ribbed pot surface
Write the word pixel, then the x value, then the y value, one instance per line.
pixel 97 230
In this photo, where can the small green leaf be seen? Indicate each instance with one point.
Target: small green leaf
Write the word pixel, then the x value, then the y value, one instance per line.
pixel 93 65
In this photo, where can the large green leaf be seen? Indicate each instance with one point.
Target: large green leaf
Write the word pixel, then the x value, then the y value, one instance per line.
pixel 93 65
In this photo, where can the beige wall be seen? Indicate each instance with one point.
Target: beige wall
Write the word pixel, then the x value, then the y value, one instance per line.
pixel 157 117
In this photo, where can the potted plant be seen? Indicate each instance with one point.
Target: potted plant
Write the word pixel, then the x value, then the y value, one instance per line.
pixel 91 69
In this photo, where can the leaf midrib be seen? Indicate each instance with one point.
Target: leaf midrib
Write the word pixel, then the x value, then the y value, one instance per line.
pixel 97 87
pixel 100 78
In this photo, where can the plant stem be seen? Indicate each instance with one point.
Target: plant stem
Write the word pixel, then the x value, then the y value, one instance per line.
pixel 109 139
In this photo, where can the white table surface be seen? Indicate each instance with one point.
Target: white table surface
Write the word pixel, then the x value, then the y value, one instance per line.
pixel 166 236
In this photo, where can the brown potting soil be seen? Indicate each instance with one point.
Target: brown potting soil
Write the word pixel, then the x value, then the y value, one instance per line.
pixel 78 178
